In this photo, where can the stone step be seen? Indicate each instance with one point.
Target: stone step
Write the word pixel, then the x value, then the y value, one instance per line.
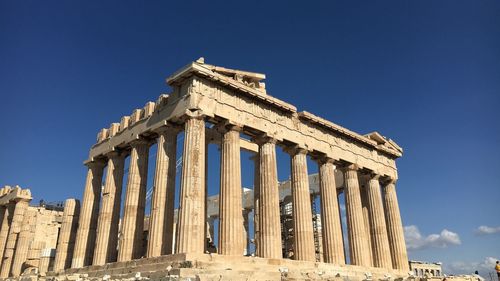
pixel 217 274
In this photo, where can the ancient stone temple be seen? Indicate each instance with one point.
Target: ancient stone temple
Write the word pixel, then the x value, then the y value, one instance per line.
pixel 28 234
pixel 231 108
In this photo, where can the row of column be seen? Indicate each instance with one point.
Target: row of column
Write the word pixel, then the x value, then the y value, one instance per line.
pixel 97 240
pixel 14 238
pixel 100 227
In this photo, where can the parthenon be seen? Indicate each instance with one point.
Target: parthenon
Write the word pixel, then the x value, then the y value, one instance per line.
pixel 231 108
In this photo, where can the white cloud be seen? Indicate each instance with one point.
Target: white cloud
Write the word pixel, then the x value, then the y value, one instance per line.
pixel 484 267
pixel 485 230
pixel 415 240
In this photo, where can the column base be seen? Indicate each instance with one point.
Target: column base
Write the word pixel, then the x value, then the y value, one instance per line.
pixel 214 266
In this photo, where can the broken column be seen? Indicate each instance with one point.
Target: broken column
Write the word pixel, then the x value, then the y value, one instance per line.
pixel 67 235
pixel 8 210
pixel 19 209
pixel 23 242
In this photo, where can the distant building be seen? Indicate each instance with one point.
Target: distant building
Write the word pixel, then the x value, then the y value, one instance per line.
pixel 422 269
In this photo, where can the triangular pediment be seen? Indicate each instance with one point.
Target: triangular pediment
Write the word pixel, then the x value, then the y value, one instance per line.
pixel 383 141
pixel 250 79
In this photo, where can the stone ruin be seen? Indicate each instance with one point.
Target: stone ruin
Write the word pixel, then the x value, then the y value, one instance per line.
pixel 231 108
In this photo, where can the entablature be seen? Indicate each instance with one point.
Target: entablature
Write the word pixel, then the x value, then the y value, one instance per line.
pixel 212 92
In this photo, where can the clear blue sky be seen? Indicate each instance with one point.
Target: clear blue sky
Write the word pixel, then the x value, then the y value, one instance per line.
pixel 424 73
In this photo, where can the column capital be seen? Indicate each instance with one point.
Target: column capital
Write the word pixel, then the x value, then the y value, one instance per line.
pixel 193 114
pixel 351 167
pixel 227 125
pixel 21 199
pixel 95 164
pixel 323 159
pixel 264 138
pixel 168 128
pixel 114 154
pixel 295 150
pixel 370 175
pixel 385 180
pixel 139 142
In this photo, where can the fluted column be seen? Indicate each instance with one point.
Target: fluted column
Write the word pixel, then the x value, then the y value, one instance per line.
pixel 380 240
pixel 303 237
pixel 23 242
pixel 109 215
pixel 269 217
pixel 333 245
pixel 230 199
pixel 67 235
pixel 256 204
pixel 358 244
pixel 85 237
pixel 366 216
pixel 161 221
pixel 135 200
pixel 44 262
pixel 395 228
pixel 191 227
pixel 15 228
pixel 8 211
pixel 3 213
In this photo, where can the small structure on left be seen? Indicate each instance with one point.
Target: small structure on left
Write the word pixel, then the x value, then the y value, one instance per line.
pixel 28 233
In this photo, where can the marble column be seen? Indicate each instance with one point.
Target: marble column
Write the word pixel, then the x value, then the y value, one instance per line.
pixel 5 226
pixel 380 240
pixel 67 235
pixel 131 239
pixel 358 244
pixel 109 214
pixel 44 263
pixel 269 217
pixel 15 228
pixel 366 216
pixel 161 220
pixel 230 199
pixel 23 241
pixel 191 227
pixel 85 237
pixel 256 204
pixel 395 228
pixel 303 238
pixel 331 225
pixel 3 213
